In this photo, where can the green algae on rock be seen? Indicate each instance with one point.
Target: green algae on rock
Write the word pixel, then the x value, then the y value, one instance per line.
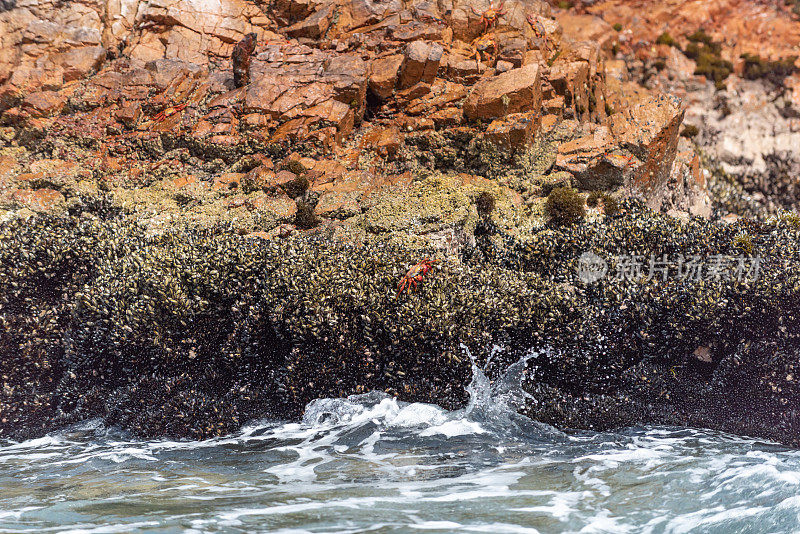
pixel 565 205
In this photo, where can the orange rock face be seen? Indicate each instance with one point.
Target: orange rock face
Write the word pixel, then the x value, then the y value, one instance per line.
pixel 650 131
pixel 762 28
pixel 40 200
pixel 515 91
pixel 365 95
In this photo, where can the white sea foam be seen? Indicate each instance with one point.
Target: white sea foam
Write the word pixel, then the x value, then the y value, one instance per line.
pixel 373 463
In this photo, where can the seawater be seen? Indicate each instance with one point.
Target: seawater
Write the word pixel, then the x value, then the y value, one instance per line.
pixel 369 463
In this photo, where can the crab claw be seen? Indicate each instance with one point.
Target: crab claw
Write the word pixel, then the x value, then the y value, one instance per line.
pixel 401 286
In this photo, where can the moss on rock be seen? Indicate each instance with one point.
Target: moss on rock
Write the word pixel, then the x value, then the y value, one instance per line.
pixel 565 205
pixel 442 204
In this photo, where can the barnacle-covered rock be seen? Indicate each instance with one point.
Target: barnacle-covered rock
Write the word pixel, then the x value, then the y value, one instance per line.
pixel 193 331
pixel 179 255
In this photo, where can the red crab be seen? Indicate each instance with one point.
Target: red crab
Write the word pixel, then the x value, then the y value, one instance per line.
pixel 415 275
pixel 536 25
pixel 170 111
pixel 630 161
pixel 490 16
pixel 483 44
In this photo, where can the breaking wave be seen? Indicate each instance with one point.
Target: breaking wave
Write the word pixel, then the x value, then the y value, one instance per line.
pixel 369 463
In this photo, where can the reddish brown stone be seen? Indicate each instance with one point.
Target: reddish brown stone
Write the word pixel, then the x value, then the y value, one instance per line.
pixel 78 62
pixel 515 91
pixel 289 182
pixel 463 69
pixel 348 76
pixel 383 76
pixel 420 64
pixel 227 99
pixel 651 132
pixel 314 26
pixel 184 181
pixel 384 141
pixel 257 179
pixel 129 114
pixel 442 93
pixel 335 113
pixel 571 81
pixel 415 92
pixel 291 130
pixel 228 181
pixel 39 200
pixel 448 117
pixel 241 57
pixel 43 103
pixel 514 131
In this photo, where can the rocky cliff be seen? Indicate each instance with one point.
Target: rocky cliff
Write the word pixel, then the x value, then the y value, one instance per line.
pixel 183 249
pixel 734 65
pixel 344 101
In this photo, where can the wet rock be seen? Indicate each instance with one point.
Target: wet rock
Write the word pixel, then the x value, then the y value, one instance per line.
pixel 292 298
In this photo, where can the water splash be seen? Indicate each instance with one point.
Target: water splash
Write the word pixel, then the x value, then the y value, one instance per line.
pixel 505 394
pixel 372 463
pixel 492 407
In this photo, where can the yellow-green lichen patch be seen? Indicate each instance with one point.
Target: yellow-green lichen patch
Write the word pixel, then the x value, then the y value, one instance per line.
pixel 444 204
